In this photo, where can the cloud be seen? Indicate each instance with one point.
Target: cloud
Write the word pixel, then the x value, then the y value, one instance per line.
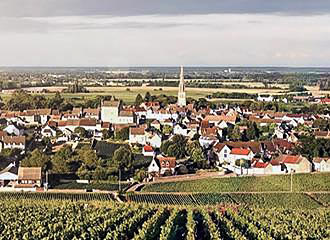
pixel 213 39
pixel 51 8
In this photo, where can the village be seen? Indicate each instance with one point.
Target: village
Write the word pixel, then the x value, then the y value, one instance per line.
pixel 171 139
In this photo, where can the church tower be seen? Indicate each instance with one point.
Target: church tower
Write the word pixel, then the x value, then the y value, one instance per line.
pixel 181 93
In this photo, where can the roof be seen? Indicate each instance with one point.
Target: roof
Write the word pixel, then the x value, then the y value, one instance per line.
pixel 254 146
pixel 167 162
pixel 240 151
pixel 260 164
pixel 14 139
pixel 125 113
pixel 29 173
pixel 148 148
pixel 219 146
pixel 137 131
pixel 105 125
pixel 110 103
pixel 3 133
pixel 320 159
pixel 91 111
pixel 220 118
pixel 289 159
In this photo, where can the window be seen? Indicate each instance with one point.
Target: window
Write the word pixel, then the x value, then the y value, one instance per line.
pixel 225 155
pixel 225 151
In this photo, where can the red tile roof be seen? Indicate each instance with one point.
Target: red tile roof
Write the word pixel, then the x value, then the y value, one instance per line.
pixel 240 151
pixel 148 148
pixel 260 164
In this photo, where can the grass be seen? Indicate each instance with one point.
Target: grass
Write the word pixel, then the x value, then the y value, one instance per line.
pixel 301 182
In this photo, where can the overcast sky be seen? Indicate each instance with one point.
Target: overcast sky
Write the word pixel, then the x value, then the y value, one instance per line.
pixel 165 32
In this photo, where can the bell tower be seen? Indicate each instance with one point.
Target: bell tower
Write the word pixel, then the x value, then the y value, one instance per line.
pixel 182 93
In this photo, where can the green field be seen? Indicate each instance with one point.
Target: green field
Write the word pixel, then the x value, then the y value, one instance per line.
pixel 301 183
pixel 57 219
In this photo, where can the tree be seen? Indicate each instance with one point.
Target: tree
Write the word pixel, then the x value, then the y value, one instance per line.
pixel 199 159
pixel 123 134
pixel 56 101
pixel 87 156
pixel 140 175
pixel 167 130
pixel 80 131
pixel 253 132
pixel 147 97
pixel 235 133
pixel 122 157
pixel 84 173
pixel 138 100
pixel 100 173
pixel 106 133
pixel 36 159
pixel 61 159
pixel 191 146
pixel 164 146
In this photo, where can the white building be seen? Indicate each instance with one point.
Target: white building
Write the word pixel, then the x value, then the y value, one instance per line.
pixel 137 136
pixel 265 98
pixel 111 111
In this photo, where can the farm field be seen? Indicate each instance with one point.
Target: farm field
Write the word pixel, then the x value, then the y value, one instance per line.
pixel 301 183
pixel 260 200
pixel 129 96
pixel 99 220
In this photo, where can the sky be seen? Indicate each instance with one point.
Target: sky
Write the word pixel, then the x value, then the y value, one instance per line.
pixel 165 33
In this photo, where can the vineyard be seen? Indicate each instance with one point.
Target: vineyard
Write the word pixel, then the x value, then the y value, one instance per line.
pixel 286 200
pixel 99 186
pixel 59 219
pixel 56 196
pixel 301 183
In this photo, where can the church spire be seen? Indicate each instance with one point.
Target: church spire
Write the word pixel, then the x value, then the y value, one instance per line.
pixel 181 93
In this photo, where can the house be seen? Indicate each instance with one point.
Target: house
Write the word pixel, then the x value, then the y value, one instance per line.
pixel 91 113
pixel 265 98
pixel 48 131
pixel 112 111
pixel 36 116
pixel 161 165
pixel 29 178
pixel 148 151
pixel 12 129
pixel 322 134
pixel 217 119
pixel 222 151
pixel 155 124
pixel 261 168
pixel 8 175
pixel 321 164
pixel 297 164
pixel 180 129
pixel 137 135
pixel 240 153
pixel 12 142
